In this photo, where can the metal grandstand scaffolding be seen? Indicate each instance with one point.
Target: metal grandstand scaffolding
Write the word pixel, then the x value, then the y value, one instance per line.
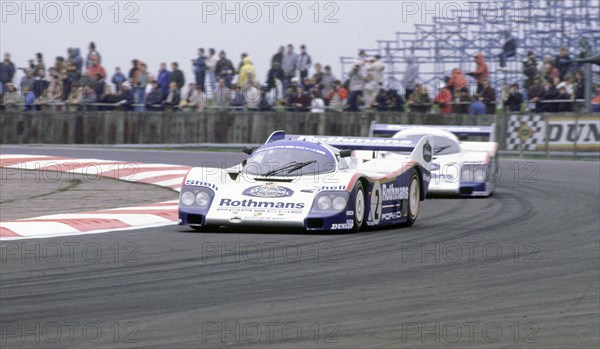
pixel 541 26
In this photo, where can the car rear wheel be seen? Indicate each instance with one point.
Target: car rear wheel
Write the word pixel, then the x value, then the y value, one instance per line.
pixel 414 199
pixel 359 207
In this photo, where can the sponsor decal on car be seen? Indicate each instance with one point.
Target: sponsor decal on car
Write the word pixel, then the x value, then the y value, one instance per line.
pixel 427 153
pixel 198 183
pixel 393 193
pixel 268 191
pixel 391 215
pixel 260 204
pixel 348 225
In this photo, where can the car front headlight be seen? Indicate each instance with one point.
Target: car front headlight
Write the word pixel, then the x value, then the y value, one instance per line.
pixel 339 203
pixel 203 199
pixel 330 202
pixel 324 203
pixel 187 198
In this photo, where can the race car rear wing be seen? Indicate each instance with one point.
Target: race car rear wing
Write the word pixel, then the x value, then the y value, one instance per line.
pixel 418 148
pixel 459 131
pixel 351 143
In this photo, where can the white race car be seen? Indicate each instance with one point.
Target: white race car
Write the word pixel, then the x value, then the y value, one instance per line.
pixel 311 182
pixel 458 167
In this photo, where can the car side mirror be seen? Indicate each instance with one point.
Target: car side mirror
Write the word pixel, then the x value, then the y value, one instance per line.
pixel 248 150
pixel 345 153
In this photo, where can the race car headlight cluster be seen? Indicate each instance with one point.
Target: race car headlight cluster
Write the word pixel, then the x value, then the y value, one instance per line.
pixel 199 197
pixel 330 202
pixel 473 173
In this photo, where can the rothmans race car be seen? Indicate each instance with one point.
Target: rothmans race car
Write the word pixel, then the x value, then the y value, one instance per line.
pixel 313 183
pixel 458 167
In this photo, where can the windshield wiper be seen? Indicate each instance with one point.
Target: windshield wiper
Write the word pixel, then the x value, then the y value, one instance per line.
pixel 292 166
pixel 437 150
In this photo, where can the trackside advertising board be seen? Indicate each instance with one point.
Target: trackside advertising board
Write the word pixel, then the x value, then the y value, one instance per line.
pixel 565 132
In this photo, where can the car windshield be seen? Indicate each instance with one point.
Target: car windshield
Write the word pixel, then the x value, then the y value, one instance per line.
pixel 290 160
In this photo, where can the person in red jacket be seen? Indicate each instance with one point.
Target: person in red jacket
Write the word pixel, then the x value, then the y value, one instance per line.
pixel 457 81
pixel 481 71
pixel 444 100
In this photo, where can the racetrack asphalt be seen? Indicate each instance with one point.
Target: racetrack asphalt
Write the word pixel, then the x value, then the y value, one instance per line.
pixel 519 269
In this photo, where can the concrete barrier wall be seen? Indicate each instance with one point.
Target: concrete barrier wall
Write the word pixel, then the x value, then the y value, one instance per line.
pixel 206 127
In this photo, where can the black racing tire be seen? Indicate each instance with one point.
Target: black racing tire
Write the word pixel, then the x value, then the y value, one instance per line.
pixel 360 208
pixel 414 200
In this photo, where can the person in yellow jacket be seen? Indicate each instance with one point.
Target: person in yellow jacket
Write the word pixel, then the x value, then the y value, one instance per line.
pixel 247 68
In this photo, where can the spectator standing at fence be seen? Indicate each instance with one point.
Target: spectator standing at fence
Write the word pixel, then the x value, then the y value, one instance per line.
pixel 337 96
pixel 327 81
pixel 488 95
pixel 7 72
pixel 29 99
pixel 173 97
pixel 118 79
pixel 568 83
pixel 222 94
pixel 317 76
pixel 302 101
pixel 481 71
pixel 237 99
pixel 462 101
pixel 75 97
pixel 457 81
pixel 304 63
pixel 550 95
pixel 549 70
pixel 535 94
pixel 40 83
pixel 27 80
pixel 126 98
pixel 563 61
pixel 529 69
pixel 176 76
pixel 444 100
pixel 195 99
pixel 11 97
pixel 38 63
pixel 224 69
pixel 75 58
pixel 567 105
pixel 477 107
pixel 247 68
pixel 514 100
pixel 155 97
pixel 199 65
pixel 509 49
pixel 263 104
pixel 92 53
pixel 95 68
pixel 163 79
pixel 278 57
pixel 288 64
pixel 419 101
pixel 88 97
pixel 275 79
pixel 211 66
pixel 142 80
pixel 357 78
pixel 60 64
pixel 411 76
pixel 133 72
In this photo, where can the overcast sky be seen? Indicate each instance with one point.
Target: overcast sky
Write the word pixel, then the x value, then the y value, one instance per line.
pixel 166 31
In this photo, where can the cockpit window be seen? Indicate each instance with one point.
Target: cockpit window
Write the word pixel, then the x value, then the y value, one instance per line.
pixel 290 160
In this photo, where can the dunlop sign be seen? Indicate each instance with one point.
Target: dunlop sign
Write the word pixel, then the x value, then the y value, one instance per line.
pixel 568 133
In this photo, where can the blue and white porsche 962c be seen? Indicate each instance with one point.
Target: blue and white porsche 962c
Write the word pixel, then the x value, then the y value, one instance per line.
pixel 311 182
pixel 458 167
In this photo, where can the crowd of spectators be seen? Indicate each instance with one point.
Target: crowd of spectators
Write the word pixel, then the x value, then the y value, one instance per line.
pixel 294 83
